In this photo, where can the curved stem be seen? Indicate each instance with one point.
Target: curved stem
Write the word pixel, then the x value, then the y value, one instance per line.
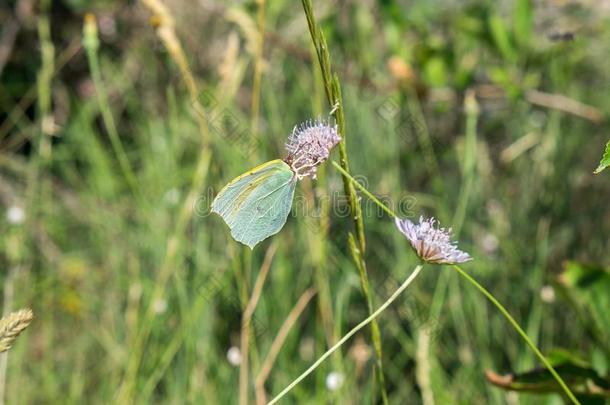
pixel 518 328
pixel 349 335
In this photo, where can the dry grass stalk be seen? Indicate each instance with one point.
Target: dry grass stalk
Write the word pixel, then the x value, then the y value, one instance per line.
pixel 164 23
pixel 165 26
pixel 247 319
pixel 277 344
pixel 565 104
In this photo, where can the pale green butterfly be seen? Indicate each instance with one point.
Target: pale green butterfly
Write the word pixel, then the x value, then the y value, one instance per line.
pixel 256 204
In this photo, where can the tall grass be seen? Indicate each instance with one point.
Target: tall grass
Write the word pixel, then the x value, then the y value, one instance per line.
pixel 357 241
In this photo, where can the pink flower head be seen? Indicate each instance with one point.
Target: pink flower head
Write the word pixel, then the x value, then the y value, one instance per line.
pixel 309 145
pixel 432 244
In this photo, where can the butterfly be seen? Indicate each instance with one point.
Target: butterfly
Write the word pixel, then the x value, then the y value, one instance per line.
pixel 256 204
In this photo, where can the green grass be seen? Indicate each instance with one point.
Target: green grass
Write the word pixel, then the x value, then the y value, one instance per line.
pixel 88 257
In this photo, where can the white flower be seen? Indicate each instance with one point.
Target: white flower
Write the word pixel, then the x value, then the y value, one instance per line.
pixel 159 306
pixel 309 145
pixel 15 215
pixel 234 356
pixel 334 380
pixel 432 244
pixel 547 294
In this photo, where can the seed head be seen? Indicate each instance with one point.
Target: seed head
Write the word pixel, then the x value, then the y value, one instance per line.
pixel 432 244
pixel 12 325
pixel 309 145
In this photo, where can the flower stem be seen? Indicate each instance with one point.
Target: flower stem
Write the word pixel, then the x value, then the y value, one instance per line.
pixel 518 328
pixel 349 334
pixel 364 190
pixel 487 294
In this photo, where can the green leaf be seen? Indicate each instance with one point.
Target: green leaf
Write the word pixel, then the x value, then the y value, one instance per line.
pixel 501 37
pixel 588 287
pixel 605 162
pixel 523 22
pixel 435 72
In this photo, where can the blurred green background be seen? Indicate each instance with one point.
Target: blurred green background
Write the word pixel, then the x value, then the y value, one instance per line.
pixel 108 167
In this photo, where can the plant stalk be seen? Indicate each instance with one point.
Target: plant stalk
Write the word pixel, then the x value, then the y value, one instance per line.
pixel 349 334
pixel 521 332
pixel 332 88
pixel 487 294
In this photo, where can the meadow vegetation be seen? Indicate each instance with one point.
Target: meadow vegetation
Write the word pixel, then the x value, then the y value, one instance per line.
pixel 120 122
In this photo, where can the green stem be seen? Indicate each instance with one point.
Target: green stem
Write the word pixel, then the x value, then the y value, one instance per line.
pixel 91 45
pixel 518 328
pixel 470 161
pixel 349 335
pixel 258 67
pixel 333 94
pixel 364 190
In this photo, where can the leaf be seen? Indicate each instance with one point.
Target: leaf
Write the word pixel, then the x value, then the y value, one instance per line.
pixel 435 72
pixel 605 162
pixel 522 17
pixel 588 287
pixel 501 37
pixel 583 381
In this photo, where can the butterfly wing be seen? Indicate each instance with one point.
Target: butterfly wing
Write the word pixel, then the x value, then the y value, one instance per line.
pixel 256 204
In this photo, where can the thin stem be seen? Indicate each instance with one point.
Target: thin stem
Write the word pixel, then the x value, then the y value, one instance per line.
pixel 469 164
pixel 364 190
pixel 258 66
pixel 349 335
pixel 9 293
pixel 91 44
pixel 423 135
pixel 44 83
pixel 247 319
pixel 518 328
pixel 333 95
pixel 278 342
